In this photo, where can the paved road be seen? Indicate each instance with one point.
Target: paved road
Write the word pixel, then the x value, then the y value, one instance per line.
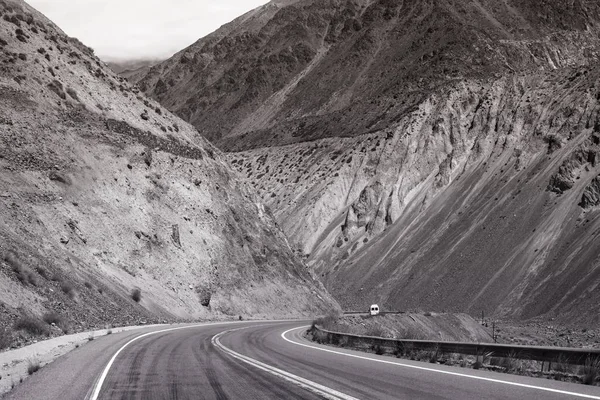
pixel 254 360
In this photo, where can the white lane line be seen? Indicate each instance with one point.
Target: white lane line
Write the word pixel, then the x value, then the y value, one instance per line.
pixel 314 387
pixel 586 396
pixel 98 385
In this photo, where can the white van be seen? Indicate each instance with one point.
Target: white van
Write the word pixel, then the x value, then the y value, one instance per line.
pixel 374 309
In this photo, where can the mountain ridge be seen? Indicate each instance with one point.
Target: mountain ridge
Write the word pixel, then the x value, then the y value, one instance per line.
pixel 418 154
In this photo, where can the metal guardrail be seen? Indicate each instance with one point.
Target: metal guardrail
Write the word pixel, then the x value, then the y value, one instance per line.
pixel 551 354
pixel 368 313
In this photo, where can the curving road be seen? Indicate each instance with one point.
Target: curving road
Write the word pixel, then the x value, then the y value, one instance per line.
pixel 263 360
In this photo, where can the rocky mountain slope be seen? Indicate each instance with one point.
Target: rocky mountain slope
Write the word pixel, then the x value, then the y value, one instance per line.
pixel 113 210
pixel 420 154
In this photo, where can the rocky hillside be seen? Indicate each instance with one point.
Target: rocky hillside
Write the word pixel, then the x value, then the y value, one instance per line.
pixel 112 210
pixel 440 155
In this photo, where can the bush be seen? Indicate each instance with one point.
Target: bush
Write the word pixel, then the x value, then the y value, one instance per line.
pixel 136 295
pixel 32 325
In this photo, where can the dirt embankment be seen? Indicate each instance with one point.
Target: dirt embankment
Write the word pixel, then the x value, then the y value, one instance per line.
pixel 415 326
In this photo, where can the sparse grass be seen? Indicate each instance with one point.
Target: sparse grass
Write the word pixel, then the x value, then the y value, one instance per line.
pixel 561 365
pixel 590 371
pixel 136 295
pixel 24 274
pixel 5 338
pixel 33 366
pixel 32 325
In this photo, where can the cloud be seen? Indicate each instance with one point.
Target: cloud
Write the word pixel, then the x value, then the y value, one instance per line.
pixel 133 29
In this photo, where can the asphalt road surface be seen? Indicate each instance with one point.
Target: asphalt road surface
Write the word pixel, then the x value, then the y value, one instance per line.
pixel 263 360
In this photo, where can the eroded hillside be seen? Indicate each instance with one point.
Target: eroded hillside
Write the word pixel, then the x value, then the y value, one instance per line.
pixel 103 191
pixel 479 200
pixel 420 154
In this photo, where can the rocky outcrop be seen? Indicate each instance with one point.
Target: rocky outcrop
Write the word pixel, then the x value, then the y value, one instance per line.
pixel 591 194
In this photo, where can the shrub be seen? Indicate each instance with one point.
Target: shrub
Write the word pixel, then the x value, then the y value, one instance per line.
pixel 88 285
pixel 33 366
pixel 57 87
pixel 591 371
pixel 68 289
pixel 561 365
pixel 32 325
pixel 510 363
pixel 378 349
pixel 136 295
pixel 43 273
pixel 56 319
pixel 24 274
pixel 72 93
pixel 320 337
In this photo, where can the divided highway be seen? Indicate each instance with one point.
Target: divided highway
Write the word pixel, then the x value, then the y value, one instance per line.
pixel 263 360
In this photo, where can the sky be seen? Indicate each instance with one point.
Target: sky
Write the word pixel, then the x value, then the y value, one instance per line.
pixel 141 29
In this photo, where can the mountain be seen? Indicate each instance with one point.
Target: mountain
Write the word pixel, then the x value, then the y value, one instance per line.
pixel 113 210
pixel 125 66
pixel 437 155
pixel 132 70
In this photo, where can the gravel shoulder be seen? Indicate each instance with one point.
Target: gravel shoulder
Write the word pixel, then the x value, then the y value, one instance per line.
pixel 14 363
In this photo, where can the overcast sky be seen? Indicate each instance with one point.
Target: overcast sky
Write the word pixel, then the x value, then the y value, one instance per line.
pixel 133 29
